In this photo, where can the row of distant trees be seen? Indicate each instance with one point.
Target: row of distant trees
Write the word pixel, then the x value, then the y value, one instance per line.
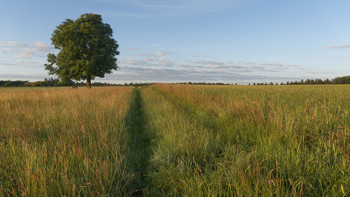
pixel 51 82
pixel 337 80
pixel 56 82
pixel 47 82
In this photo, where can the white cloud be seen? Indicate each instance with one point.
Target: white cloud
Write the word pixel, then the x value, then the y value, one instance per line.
pixel 159 67
pixel 176 74
pixel 155 54
pixel 2 63
pixel 42 46
pixel 186 65
pixel 9 44
pixel 338 47
pixel 164 53
pixel 147 59
pixel 6 50
pixel 20 64
pixel 147 62
pixel 26 53
pixel 164 59
pixel 25 77
pixel 159 53
pixel 212 66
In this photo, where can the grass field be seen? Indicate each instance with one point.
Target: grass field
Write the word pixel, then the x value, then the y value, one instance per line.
pixel 175 140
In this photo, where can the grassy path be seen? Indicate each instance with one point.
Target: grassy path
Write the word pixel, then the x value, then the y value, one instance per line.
pixel 185 150
pixel 139 144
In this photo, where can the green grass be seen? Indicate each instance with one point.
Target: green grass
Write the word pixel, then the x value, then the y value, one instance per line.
pixel 176 140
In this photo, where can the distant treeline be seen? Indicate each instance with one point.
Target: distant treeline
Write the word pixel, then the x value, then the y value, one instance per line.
pixel 45 83
pixel 56 82
pixel 50 82
pixel 337 80
pixel 204 83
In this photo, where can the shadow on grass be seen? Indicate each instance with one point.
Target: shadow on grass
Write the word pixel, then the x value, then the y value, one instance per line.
pixel 138 145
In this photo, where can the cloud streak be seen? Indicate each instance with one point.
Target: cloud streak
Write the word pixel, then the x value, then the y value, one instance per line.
pixel 9 44
pixel 25 51
pixel 25 77
pixel 6 50
pixel 142 74
pixel 128 73
pixel 338 47
pixel 160 66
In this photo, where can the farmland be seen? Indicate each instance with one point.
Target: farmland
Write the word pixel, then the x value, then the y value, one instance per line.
pixel 175 140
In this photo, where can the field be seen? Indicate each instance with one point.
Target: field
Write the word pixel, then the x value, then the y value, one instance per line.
pixel 175 140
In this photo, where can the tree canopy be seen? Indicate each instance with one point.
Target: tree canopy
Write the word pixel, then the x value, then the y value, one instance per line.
pixel 86 49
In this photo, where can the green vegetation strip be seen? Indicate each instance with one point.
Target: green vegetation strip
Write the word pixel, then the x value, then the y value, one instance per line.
pixel 138 145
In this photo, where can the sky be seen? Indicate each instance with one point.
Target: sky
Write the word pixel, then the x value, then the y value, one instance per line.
pixel 230 41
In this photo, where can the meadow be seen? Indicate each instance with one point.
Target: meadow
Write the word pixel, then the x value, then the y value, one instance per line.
pixel 175 140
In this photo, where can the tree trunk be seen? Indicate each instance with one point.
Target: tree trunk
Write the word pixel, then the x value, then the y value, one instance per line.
pixel 88 82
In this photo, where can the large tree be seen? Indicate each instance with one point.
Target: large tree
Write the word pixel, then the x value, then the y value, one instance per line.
pixel 86 49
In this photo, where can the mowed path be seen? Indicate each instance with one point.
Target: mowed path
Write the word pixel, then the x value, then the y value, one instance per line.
pixel 139 143
pixel 155 152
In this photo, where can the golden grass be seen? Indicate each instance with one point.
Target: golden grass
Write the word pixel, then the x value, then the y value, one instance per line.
pixel 62 141
pixel 261 140
pixel 175 140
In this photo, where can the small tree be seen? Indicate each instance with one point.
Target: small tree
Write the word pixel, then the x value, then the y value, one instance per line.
pixel 86 49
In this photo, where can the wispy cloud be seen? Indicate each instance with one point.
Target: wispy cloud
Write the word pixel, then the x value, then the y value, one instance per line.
pixel 43 47
pixel 148 62
pixel 2 63
pixel 9 44
pixel 155 53
pixel 25 77
pixel 127 73
pixel 25 51
pixel 21 63
pixel 143 74
pixel 165 66
pixel 163 53
pixel 338 47
pixel 6 50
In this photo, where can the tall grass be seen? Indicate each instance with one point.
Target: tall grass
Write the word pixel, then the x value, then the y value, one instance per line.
pixel 275 140
pixel 176 140
pixel 63 142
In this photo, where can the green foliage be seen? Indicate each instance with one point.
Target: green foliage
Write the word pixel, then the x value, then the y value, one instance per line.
pixel 86 49
pixel 9 83
pixel 342 80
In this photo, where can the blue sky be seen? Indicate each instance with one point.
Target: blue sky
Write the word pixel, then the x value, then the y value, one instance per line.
pixel 235 41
